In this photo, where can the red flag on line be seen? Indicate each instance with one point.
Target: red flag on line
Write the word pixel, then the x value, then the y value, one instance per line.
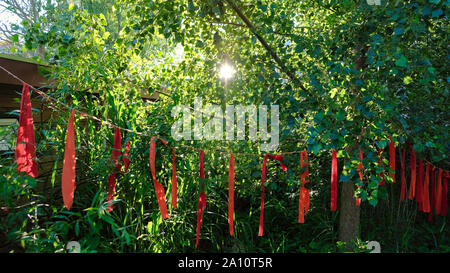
pixel 201 198
pixel 25 154
pixel 360 168
pixel 159 189
pixel 419 190
pixel 201 207
pixel 126 159
pixel 263 181
pixel 392 158
pixel 433 193
pixel 444 204
pixel 68 173
pixel 439 193
pixel 412 186
pixel 403 190
pixel 426 190
pixel 303 201
pixel 334 175
pixel 231 194
pixel 115 154
pixel 174 179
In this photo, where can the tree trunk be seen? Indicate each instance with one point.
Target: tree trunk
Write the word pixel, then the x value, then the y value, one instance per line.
pixel 348 215
pixel 349 211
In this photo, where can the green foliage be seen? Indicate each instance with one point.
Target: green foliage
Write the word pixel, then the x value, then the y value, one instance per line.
pixel 368 72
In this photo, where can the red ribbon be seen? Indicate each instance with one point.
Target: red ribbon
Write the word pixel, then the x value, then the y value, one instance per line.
pixel 174 179
pixel 303 201
pixel 433 193
pixel 403 190
pixel 263 181
pixel 115 154
pixel 419 193
pixel 231 194
pixel 412 186
pixel 200 164
pixel 25 154
pixel 334 175
pixel 126 159
pixel 426 190
pixel 68 173
pixel 202 197
pixel 439 193
pixel 380 162
pixel 159 189
pixel 392 158
pixel 201 207
pixel 444 194
pixel 360 168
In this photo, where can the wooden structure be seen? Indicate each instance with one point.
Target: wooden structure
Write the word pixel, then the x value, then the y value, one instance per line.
pixel 10 95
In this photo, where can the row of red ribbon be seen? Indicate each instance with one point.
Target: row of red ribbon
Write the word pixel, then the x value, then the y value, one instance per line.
pixel 419 188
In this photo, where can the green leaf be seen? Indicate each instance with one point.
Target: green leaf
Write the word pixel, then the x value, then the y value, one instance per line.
pixel 15 37
pixel 316 148
pixel 344 178
pixel 399 30
pixel 402 61
pixel 436 13
pixel 341 115
pixel 407 80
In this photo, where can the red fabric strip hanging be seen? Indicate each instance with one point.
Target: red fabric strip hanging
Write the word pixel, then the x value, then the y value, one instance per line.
pixel 303 203
pixel 115 154
pixel 439 193
pixel 111 189
pixel 201 207
pixel 25 153
pixel 334 175
pixel 200 164
pixel 444 204
pixel 68 173
pixel 403 189
pixel 263 181
pixel 412 186
pixel 392 158
pixel 231 194
pixel 433 193
pixel 426 190
pixel 174 179
pixel 360 168
pixel 159 189
pixel 126 159
pixel 380 162
pixel 419 193
pixel 202 197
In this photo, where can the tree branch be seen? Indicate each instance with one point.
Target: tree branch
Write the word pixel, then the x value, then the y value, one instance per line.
pixel 272 53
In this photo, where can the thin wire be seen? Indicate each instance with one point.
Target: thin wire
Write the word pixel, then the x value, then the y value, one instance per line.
pixel 110 124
